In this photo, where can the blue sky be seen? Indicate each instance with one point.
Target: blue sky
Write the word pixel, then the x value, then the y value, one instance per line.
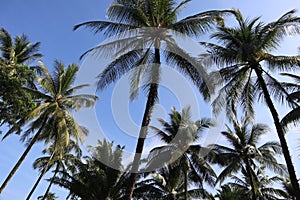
pixel 51 22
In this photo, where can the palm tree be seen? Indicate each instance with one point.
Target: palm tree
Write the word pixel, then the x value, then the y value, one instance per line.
pixel 16 54
pixel 50 196
pixel 180 150
pixel 264 185
pixel 247 65
pixel 18 50
pixel 51 120
pixel 141 32
pixel 226 192
pixel 288 188
pixel 166 183
pixel 243 152
pixel 54 159
pixel 93 179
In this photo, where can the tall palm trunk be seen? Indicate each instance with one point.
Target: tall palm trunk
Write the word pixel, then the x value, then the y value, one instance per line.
pixel 280 134
pixel 186 196
pixel 248 168
pixel 43 172
pixel 153 92
pixel 21 159
pixel 51 182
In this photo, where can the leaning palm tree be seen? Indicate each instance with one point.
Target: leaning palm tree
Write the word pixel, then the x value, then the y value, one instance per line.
pixel 51 120
pixel 181 151
pixel 243 152
pixel 141 32
pixel 246 65
pixel 56 160
pixel 15 72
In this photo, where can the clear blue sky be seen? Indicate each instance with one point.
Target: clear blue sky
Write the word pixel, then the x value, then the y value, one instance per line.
pixel 51 22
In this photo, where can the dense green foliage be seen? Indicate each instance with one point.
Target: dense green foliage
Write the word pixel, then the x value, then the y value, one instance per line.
pixel 15 73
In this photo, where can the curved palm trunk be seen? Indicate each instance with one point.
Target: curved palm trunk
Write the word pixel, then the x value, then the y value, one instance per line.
pixel 43 172
pixel 280 134
pixel 51 182
pixel 22 158
pixel 248 168
pixel 153 92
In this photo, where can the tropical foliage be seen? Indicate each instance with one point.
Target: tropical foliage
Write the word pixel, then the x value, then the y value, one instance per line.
pixel 15 72
pixel 38 104
pixel 140 34
pixel 51 119
pixel 244 55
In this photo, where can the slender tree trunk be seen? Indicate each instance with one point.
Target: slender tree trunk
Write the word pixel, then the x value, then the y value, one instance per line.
pixel 186 196
pixel 43 172
pixel 248 168
pixel 152 96
pixel 21 159
pixel 36 184
pixel 51 182
pixel 280 133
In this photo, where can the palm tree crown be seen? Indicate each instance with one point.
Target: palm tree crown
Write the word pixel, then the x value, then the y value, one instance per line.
pixel 140 34
pixel 247 65
pixel 181 151
pixel 244 152
pixel 51 120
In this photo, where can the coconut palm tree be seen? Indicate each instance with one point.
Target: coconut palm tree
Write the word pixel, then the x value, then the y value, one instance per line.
pixel 54 159
pixel 264 185
pixel 93 179
pixel 166 183
pixel 16 54
pixel 18 50
pixel 226 192
pixel 51 120
pixel 180 150
pixel 243 54
pixel 141 32
pixel 243 152
pixel 288 188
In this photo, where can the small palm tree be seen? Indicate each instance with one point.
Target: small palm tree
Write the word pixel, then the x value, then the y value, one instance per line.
pixel 243 53
pixel 17 51
pixel 264 185
pixel 142 33
pixel 244 152
pixel 94 180
pixel 180 150
pixel 167 183
pixel 54 159
pixel 226 192
pixel 51 120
